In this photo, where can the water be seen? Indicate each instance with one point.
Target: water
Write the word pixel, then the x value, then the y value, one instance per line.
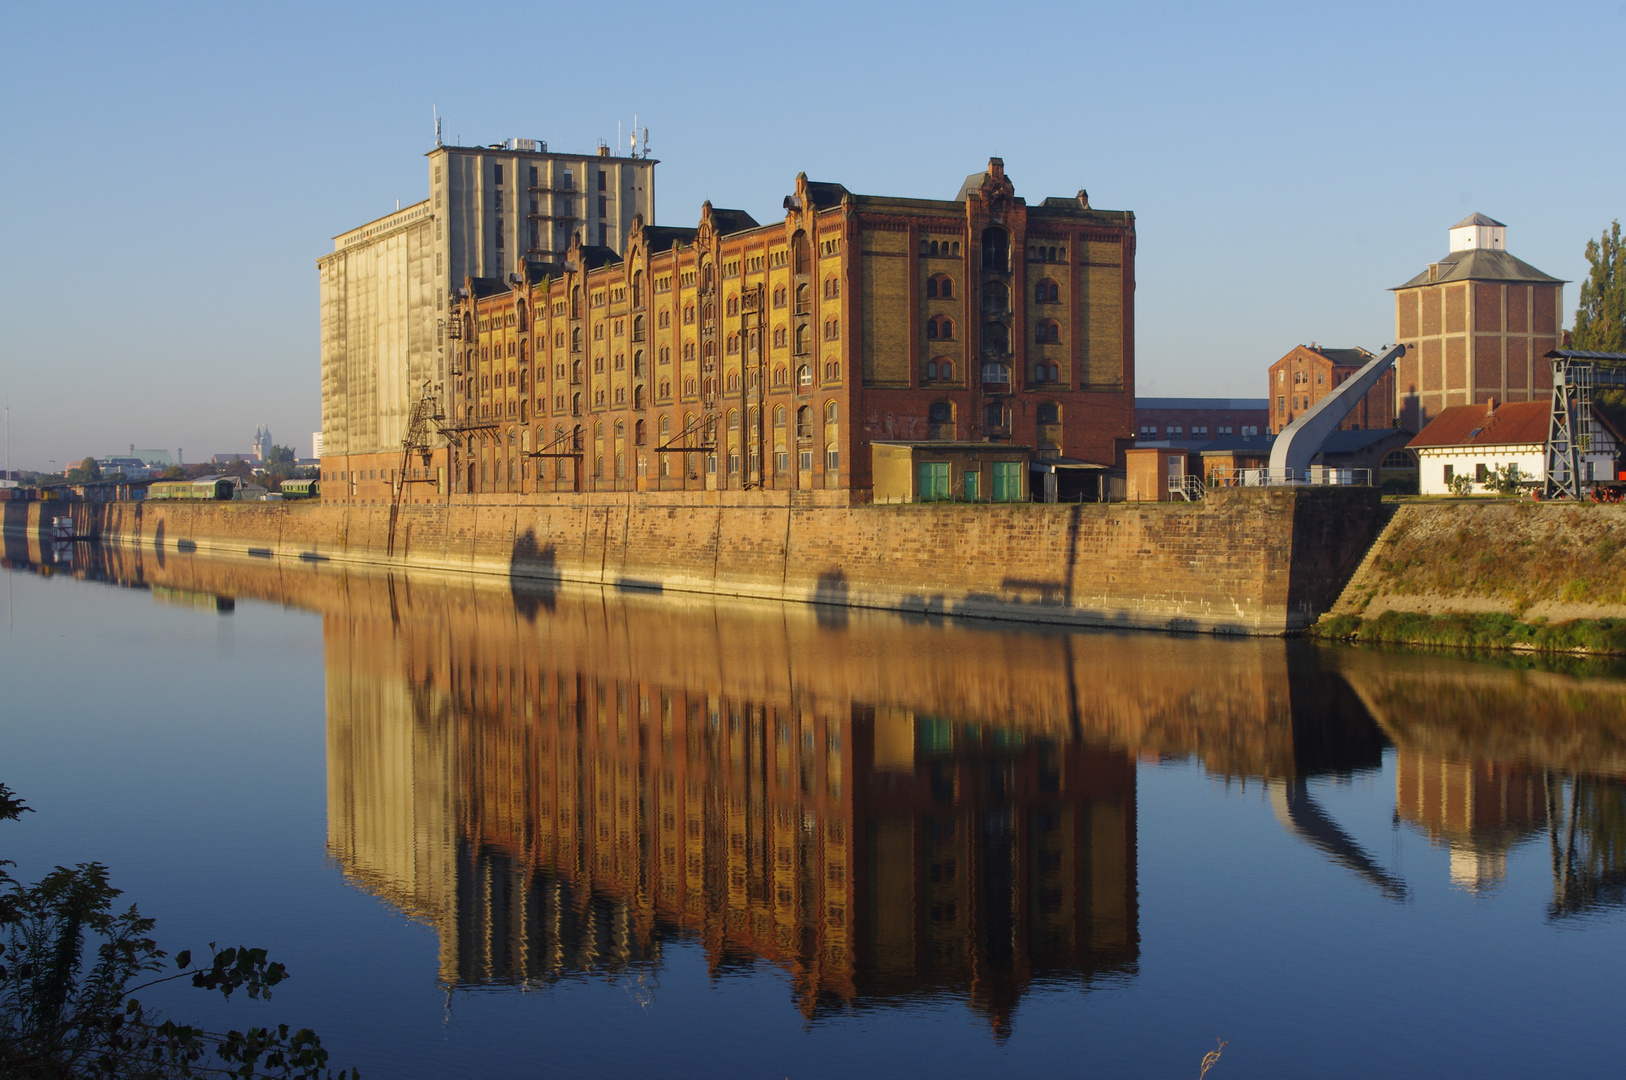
pixel 510 831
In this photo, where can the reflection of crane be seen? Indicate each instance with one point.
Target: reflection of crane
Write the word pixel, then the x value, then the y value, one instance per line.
pixel 1569 431
pixel 1302 816
pixel 1588 842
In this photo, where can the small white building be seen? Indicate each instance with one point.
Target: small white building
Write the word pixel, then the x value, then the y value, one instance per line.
pixel 1475 441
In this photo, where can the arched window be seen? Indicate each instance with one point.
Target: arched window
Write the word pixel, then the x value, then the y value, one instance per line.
pixel 1048 413
pixel 832 330
pixel 598 365
pixel 1047 292
pixel 666 389
pixel 832 288
pixel 733 382
pixel 524 380
pixel 802 339
pixel 832 371
pixel 940 286
pixel 996 377
pixel 993 417
pixel 940 412
pixel 780 376
pixel 688 315
pixel 638 363
pixel 524 411
pixel 576 371
pixel 520 320
pixel 996 298
pixel 733 344
pixel 779 295
pixel 996 249
pixel 637 397
pixel 524 351
pixel 638 299
pixel 779 337
pixel 799 253
pixel 804 422
pixel 804 301
pixel 804 375
pixel 778 416
pixel 637 328
pixel 665 427
pixel 689 386
pixel 708 351
pixel 1047 332
pixel 576 302
pixel 733 420
pixel 688 350
pixel 575 405
pixel 831 411
pixel 996 339
pixel 575 339
pixel 940 328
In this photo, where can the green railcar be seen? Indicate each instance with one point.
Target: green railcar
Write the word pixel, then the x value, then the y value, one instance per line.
pixel 301 489
pixel 209 488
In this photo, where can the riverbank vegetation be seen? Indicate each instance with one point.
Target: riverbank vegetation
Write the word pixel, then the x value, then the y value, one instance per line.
pixel 1478 631
pixel 71 964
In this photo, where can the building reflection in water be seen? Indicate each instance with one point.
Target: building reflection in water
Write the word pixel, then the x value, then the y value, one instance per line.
pixel 1491 758
pixel 563 782
pixel 567 794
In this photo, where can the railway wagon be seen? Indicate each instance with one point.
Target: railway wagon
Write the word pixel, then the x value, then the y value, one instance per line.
pixel 301 489
pixel 210 488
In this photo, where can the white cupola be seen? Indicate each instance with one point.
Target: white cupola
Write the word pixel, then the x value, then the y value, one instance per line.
pixel 1478 231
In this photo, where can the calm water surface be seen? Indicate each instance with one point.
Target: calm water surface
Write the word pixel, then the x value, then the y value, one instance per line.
pixel 508 832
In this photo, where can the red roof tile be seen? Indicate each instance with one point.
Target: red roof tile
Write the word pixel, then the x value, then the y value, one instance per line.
pixel 1515 423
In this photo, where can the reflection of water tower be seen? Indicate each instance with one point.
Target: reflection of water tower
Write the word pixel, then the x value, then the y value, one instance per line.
pixel 1480 811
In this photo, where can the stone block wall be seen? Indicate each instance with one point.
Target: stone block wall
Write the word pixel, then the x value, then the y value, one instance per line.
pixel 1244 561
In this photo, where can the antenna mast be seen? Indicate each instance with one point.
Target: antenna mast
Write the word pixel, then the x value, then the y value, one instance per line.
pixel 435 112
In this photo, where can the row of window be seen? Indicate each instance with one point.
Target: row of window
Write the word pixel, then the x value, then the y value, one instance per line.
pixel 942 412
pixel 1198 431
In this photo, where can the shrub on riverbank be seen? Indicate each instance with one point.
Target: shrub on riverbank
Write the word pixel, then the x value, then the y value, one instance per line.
pixel 1478 631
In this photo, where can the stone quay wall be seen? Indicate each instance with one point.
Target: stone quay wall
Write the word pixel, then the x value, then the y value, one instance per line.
pixel 1247 561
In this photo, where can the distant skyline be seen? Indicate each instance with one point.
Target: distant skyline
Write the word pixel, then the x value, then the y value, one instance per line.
pixel 174 171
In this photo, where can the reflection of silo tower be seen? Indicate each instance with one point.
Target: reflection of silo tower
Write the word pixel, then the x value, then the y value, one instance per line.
pixel 1480 811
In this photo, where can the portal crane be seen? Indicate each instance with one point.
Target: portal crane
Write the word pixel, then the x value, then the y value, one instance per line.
pixel 1569 430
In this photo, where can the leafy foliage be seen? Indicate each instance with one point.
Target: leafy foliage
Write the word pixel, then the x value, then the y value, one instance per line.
pixel 1600 316
pixel 86 472
pixel 68 1009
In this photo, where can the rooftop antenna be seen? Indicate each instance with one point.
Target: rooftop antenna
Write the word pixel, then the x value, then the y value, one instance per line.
pixel 632 140
pixel 646 142
pixel 434 110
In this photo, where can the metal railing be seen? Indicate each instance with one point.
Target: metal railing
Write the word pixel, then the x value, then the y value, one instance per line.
pixel 1314 476
pixel 1188 487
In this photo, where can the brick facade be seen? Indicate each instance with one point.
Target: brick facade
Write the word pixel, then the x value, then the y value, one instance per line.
pixel 1309 373
pixel 737 355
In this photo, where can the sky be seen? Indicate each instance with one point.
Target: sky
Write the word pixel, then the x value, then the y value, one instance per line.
pixel 175 170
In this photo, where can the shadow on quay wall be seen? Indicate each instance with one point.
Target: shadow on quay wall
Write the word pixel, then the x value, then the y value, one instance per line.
pixel 533 576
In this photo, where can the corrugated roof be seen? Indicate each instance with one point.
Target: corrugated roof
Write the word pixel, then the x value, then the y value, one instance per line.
pixel 1481 264
pixel 1353 357
pixel 1517 423
pixel 1477 219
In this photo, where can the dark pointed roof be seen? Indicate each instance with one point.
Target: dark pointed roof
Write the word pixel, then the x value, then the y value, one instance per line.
pixel 1477 219
pixel 662 237
pixel 1481 264
pixel 731 221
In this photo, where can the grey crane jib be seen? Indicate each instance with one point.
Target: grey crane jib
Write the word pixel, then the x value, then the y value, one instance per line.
pixel 1301 441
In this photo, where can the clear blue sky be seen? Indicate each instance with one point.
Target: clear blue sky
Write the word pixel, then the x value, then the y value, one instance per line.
pixel 175 170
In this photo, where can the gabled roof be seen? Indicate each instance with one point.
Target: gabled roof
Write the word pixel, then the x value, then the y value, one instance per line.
pixel 1481 264
pixel 1517 423
pixel 1477 219
pixel 731 221
pixel 1354 357
pixel 824 195
pixel 662 237
pixel 594 256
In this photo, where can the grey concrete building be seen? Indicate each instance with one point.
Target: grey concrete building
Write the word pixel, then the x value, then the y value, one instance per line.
pixel 385 286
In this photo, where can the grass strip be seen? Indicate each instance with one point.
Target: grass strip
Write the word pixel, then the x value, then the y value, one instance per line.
pixel 1482 631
